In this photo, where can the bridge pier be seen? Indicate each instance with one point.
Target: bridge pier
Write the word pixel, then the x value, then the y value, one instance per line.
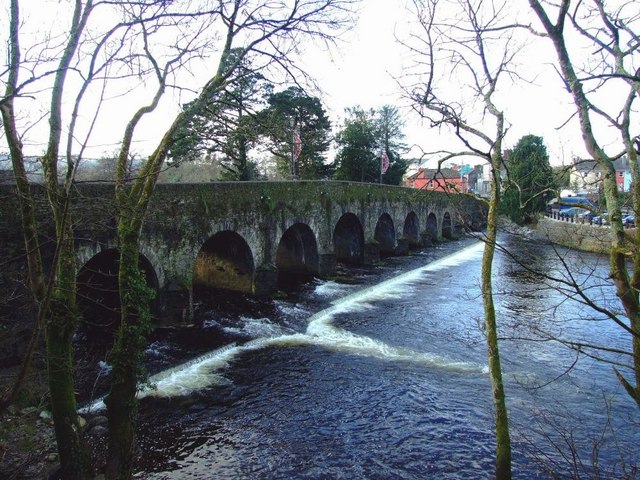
pixel 265 280
pixel 371 253
pixel 426 239
pixel 402 247
pixel 176 306
pixel 327 265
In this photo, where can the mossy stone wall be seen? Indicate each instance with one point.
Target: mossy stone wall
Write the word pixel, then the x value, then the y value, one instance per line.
pixel 182 217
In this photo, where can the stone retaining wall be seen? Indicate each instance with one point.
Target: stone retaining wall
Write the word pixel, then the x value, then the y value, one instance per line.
pixel 590 238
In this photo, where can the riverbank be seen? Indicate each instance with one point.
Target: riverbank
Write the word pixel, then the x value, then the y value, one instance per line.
pixel 27 440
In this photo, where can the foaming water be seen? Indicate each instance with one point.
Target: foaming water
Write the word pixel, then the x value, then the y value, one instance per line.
pixel 256 327
pixel 321 332
pixel 204 371
pixel 331 289
pixel 324 333
pixel 291 310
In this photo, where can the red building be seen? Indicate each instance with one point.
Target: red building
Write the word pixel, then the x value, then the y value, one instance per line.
pixel 440 180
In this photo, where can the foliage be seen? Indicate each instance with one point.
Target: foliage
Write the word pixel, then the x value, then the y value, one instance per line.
pixel 357 158
pixel 561 177
pixel 103 169
pixel 365 135
pixel 225 124
pixel 389 126
pixel 530 179
pixel 397 168
pixel 205 169
pixel 289 110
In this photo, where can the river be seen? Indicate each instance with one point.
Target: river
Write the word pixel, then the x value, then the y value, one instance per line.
pixel 385 377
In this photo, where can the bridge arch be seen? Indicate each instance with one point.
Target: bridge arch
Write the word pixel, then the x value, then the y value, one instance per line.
pixel 447 227
pixel 411 229
pixel 348 239
pixel 385 234
pixel 98 295
pixel 297 252
pixel 225 261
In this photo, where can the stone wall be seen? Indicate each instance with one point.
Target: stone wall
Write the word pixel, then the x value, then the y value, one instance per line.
pixel 585 237
pixel 183 217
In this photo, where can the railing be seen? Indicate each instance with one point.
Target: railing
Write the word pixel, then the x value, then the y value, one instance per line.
pixel 582 219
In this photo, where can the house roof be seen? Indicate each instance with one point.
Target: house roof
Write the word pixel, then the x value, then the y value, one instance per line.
pixel 588 165
pixel 435 173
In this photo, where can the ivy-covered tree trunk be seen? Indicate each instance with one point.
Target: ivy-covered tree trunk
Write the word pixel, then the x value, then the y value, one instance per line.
pixel 62 320
pixel 125 358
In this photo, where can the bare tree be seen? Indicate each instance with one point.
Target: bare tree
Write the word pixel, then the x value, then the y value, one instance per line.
pixel 469 42
pixel 55 295
pixel 112 49
pixel 612 33
pixel 267 33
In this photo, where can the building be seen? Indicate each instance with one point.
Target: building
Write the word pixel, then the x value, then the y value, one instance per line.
pixel 586 176
pixel 439 180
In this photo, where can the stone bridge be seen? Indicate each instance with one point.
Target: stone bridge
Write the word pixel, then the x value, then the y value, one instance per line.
pixel 243 236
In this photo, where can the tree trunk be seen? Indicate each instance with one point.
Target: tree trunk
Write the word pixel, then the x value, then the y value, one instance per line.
pixel 503 440
pixel 135 297
pixel 75 458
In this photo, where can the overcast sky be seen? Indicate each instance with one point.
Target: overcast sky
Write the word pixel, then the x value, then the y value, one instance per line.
pixel 363 70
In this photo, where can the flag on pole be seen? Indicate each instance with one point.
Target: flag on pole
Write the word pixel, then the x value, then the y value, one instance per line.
pixel 384 164
pixel 297 144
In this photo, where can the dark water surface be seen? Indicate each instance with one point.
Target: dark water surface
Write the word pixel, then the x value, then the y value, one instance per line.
pixel 386 378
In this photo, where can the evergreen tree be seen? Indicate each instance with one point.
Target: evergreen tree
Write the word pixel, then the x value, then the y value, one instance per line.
pixel 530 176
pixel 362 141
pixel 225 125
pixel 357 159
pixel 293 110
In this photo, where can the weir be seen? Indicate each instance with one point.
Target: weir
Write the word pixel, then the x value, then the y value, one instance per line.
pixel 206 370
pixel 387 379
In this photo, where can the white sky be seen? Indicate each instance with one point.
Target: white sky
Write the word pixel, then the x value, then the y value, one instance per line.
pixel 365 72
pixel 361 72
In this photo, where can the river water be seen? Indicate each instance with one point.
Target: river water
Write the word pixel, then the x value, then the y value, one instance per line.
pixel 385 377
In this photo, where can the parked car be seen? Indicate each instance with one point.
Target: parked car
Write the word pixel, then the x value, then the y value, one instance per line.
pixel 574 211
pixel 588 216
pixel 602 219
pixel 629 221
